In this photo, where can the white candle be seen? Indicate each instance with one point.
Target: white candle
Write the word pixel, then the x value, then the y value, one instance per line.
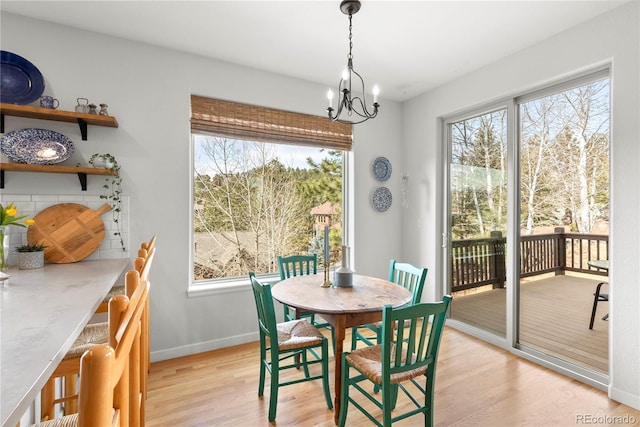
pixel 326 243
pixel 376 91
pixel 330 97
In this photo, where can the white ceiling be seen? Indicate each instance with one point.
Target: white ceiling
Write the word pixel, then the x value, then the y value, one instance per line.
pixel 406 47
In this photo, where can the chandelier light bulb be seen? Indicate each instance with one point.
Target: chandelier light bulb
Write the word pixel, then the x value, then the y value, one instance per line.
pixel 345 74
pixel 330 97
pixel 376 91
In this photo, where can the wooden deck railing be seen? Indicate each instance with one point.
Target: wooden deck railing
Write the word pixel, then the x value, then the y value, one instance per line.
pixel 481 262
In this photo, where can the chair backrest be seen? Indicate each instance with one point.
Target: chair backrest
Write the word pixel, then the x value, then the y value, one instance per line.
pixel 415 343
pixel 266 313
pixel 146 264
pixel 142 264
pixel 297 265
pixel 110 374
pixel 148 245
pixel 408 276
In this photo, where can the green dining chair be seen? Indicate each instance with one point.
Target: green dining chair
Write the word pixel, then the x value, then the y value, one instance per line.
pixel 410 277
pixel 287 342
pixel 298 265
pixel 408 355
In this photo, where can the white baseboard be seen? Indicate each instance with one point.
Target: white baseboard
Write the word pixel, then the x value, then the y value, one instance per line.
pixel 195 348
pixel 624 397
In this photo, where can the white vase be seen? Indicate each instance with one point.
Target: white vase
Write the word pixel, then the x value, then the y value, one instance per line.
pixel 343 277
pixel 4 247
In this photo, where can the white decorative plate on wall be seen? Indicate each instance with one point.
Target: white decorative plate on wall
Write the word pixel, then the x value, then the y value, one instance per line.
pixel 382 169
pixel 381 199
pixel 36 146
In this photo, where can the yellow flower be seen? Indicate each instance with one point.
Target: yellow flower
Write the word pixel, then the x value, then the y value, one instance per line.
pixel 29 221
pixel 9 215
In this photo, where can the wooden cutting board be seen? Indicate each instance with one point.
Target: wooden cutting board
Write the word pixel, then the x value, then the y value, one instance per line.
pixel 70 231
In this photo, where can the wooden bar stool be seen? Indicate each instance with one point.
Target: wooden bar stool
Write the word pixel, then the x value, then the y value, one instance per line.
pixel 110 390
pixel 94 334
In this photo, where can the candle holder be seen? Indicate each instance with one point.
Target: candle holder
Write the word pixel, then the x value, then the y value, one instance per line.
pixel 327 282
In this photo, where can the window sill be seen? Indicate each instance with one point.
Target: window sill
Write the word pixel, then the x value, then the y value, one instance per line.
pixel 227 286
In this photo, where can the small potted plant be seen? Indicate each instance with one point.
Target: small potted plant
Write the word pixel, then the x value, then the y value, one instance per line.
pixel 30 256
pixel 106 160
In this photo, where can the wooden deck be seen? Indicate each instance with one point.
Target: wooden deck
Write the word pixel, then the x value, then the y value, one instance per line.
pixel 555 313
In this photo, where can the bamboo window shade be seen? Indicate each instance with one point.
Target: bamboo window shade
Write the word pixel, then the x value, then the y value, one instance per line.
pixel 246 122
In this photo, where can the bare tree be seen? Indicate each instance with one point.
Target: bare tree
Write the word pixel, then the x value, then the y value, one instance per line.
pixel 246 201
pixel 588 125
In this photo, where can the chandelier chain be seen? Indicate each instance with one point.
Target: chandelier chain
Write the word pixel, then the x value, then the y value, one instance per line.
pixel 350 38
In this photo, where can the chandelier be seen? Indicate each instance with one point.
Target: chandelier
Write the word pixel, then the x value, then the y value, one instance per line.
pixel 353 104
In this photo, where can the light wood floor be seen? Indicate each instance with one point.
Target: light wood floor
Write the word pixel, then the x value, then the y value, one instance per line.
pixel 555 313
pixel 477 385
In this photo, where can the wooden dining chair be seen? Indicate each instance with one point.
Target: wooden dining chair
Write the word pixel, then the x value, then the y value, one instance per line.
pixel 93 334
pixel 407 354
pixel 110 391
pixel 406 275
pixel 288 342
pixel 299 265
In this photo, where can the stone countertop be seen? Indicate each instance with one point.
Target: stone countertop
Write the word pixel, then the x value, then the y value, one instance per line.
pixel 42 312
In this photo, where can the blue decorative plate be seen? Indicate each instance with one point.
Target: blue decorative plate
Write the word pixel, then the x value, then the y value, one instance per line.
pixel 36 146
pixel 381 199
pixel 382 169
pixel 20 81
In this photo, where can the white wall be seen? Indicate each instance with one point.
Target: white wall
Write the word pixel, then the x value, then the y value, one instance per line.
pixel 613 37
pixel 148 89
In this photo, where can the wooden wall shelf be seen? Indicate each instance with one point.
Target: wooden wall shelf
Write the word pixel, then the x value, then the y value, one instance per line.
pixel 82 172
pixel 82 119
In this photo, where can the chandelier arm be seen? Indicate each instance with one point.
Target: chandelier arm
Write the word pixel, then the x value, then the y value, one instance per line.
pixel 362 101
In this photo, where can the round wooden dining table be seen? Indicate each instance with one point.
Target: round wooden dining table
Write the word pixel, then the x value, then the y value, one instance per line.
pixel 341 307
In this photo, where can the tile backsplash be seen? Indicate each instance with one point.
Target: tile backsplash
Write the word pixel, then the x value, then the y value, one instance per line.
pixel 32 204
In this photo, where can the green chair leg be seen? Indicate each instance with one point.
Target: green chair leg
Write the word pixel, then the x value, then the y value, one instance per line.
pixel 354 339
pixel 273 396
pixel 325 375
pixel 344 398
pixel 263 368
pixel 304 363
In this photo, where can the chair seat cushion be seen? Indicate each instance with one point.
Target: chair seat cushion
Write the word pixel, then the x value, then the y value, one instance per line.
pixel 368 361
pixel 116 290
pixel 297 334
pixel 66 421
pixel 72 420
pixel 92 334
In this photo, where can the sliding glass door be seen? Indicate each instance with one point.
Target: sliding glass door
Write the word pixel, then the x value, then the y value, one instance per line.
pixel 527 210
pixel 564 206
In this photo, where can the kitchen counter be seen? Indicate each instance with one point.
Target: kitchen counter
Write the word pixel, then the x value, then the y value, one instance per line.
pixel 42 312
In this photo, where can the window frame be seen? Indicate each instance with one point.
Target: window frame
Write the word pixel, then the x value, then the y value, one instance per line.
pixel 241 284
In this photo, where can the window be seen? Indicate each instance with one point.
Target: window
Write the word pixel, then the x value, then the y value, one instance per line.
pixel 265 183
